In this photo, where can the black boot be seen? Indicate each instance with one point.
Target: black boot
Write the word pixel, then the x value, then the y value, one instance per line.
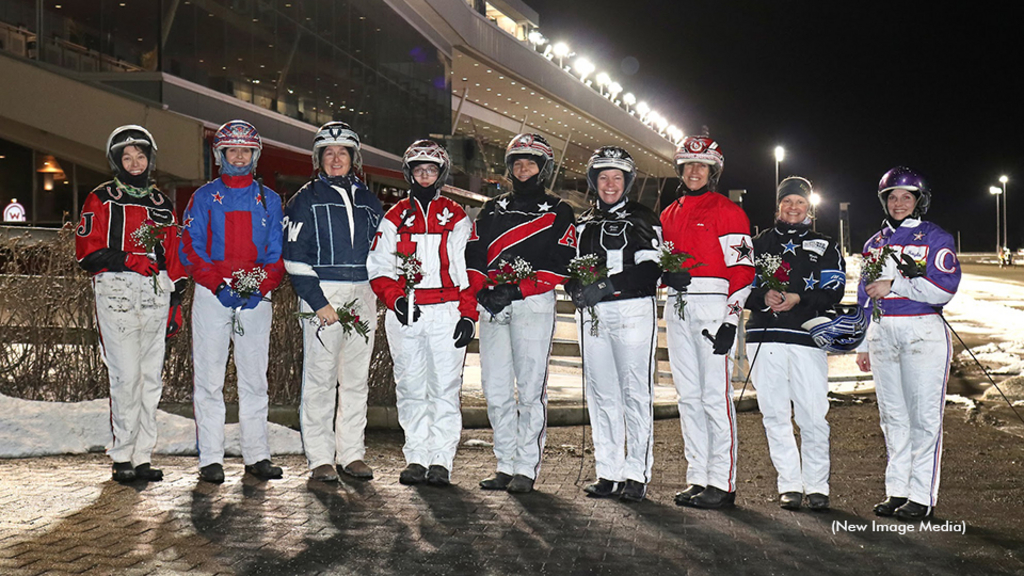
pixel 123 472
pixel 818 502
pixel 790 500
pixel 913 511
pixel 520 484
pixel 265 470
pixel 148 473
pixel 499 481
pixel 683 498
pixel 634 491
pixel 437 475
pixel 713 497
pixel 603 488
pixel 412 475
pixel 889 506
pixel 212 473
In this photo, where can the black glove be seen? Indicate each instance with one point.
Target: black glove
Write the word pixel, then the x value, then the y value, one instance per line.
pixel 464 331
pixel 677 280
pixel 496 298
pixel 402 311
pixel 724 338
pixel 595 292
pixel 174 319
pixel 909 268
pixel 575 291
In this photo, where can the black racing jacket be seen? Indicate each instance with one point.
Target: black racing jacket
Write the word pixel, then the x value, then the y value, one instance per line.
pixel 817 274
pixel 627 239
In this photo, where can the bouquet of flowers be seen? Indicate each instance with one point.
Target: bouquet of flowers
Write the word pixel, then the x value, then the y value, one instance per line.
pixel 513 272
pixel 348 318
pixel 671 260
pixel 871 270
pixel 510 272
pixel 772 272
pixel 411 269
pixel 149 236
pixel 586 270
pixel 245 283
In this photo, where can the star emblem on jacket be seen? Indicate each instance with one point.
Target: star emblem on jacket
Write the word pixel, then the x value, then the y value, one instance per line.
pixel 544 207
pixel 188 222
pixel 444 217
pixel 218 198
pixel 918 236
pixel 735 309
pixel 259 198
pixel 743 250
pixel 503 203
pixel 810 282
pixel 789 248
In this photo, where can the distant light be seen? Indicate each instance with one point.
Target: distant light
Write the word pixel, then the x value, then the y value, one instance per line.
pixel 815 198
pixel 561 50
pixel 584 67
pixel 995 190
pixel 629 99
pixel 603 79
pixel 614 88
pixel 536 38
pixel 1004 179
pixel 780 153
pixel 643 109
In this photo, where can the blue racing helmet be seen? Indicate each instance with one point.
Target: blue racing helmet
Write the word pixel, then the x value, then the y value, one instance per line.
pixel 840 329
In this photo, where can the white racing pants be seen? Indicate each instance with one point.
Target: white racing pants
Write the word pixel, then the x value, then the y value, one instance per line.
pixel 212 334
pixel 132 322
pixel 619 365
pixel 910 358
pixel 514 376
pixel 702 380
pixel 335 372
pixel 792 382
pixel 428 382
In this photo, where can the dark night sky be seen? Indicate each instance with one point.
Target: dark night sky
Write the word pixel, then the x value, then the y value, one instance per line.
pixel 850 89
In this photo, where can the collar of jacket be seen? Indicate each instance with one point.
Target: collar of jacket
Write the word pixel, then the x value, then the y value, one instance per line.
pixel 243 181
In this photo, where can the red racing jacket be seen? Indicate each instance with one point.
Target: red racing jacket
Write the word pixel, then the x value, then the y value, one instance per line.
pixel 716 232
pixel 110 216
pixel 438 238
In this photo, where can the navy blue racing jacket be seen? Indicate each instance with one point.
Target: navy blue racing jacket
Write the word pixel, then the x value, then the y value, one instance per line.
pixel 329 226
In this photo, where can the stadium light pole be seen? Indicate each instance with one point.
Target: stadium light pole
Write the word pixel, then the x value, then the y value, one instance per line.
pixel 815 200
pixel 780 153
pixel 996 191
pixel 1006 231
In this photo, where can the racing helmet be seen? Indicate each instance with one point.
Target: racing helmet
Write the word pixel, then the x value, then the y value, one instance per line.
pixel 533 147
pixel 422 151
pixel 840 329
pixel 909 179
pixel 337 134
pixel 701 149
pixel 607 157
pixel 129 135
pixel 237 134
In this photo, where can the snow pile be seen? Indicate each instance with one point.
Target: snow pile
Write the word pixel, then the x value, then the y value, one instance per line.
pixel 994 308
pixel 29 428
pixel 962 401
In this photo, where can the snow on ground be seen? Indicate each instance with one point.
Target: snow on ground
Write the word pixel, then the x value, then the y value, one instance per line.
pixel 29 428
pixel 993 308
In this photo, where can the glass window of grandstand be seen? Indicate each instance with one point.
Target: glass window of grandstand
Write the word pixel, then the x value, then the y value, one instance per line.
pixel 315 60
pixel 50 188
pixel 85 36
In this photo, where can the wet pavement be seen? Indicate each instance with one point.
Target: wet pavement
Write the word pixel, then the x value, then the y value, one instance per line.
pixel 63 514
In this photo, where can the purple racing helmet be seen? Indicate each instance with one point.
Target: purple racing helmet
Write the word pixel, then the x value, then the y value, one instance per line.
pixel 904 178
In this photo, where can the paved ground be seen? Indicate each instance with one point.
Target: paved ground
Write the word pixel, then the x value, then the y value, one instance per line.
pixel 63 515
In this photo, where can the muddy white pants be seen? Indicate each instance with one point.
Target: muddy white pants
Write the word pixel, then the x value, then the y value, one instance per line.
pixel 428 382
pixel 792 383
pixel 514 377
pixel 132 321
pixel 619 366
pixel 212 334
pixel 702 379
pixel 335 374
pixel 910 358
